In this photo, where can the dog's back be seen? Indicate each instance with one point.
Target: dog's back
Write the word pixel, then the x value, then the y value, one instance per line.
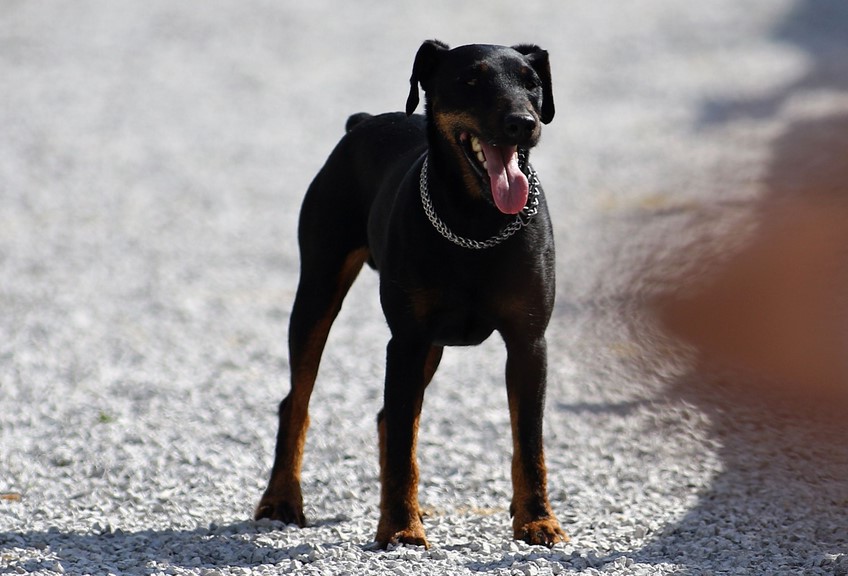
pixel 372 158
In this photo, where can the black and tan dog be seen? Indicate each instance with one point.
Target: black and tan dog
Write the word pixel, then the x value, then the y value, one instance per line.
pixel 449 211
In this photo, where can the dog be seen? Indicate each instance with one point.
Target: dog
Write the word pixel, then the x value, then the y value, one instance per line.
pixel 448 210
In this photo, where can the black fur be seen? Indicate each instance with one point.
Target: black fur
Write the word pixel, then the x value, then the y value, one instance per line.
pixel 364 206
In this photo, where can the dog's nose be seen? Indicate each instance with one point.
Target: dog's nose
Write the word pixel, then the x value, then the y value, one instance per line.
pixel 519 126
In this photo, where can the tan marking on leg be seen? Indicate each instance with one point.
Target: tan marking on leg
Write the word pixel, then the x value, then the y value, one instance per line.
pixel 533 518
pixel 534 526
pixel 284 490
pixel 400 513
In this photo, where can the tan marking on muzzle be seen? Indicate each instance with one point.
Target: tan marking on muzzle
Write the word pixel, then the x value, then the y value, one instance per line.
pixel 450 125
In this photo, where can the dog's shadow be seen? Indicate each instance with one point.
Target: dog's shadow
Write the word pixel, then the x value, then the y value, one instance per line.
pixel 152 550
pixel 148 552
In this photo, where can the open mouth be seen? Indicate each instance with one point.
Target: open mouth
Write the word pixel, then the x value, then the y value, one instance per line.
pixel 499 165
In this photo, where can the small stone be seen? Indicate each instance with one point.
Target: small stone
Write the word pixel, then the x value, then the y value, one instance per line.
pixel 258 556
pixel 526 570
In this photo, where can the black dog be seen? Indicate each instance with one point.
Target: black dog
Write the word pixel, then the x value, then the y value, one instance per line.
pixel 449 211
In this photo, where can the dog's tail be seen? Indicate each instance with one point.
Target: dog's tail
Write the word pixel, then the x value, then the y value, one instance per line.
pixel 355 120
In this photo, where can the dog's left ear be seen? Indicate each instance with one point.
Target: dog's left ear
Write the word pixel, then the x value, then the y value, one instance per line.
pixel 539 61
pixel 425 62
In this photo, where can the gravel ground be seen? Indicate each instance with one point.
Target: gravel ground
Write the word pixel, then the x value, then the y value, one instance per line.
pixel 152 160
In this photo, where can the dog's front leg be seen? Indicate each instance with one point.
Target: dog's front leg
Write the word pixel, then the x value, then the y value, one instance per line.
pixel 409 366
pixel 533 520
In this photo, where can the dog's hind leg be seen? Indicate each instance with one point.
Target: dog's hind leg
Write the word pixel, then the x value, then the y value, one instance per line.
pixel 329 265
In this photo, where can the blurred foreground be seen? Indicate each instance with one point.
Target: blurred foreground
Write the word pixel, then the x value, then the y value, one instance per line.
pixel 778 307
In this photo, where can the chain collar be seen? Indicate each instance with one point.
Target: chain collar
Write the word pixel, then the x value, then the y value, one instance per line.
pixel 521 219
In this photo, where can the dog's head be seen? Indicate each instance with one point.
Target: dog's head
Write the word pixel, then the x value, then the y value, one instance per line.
pixel 486 102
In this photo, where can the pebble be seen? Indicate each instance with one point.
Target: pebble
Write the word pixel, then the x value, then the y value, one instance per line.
pixel 526 570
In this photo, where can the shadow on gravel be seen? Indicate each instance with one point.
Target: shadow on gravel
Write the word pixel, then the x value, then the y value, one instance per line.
pixel 153 551
pixel 818 28
pixel 770 330
pixel 781 495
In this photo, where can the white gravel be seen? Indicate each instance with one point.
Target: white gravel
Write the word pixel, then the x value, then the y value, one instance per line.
pixel 152 160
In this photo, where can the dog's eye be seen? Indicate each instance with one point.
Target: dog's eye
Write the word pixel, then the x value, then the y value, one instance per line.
pixel 529 79
pixel 472 77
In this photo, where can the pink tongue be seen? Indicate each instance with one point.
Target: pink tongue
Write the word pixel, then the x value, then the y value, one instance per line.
pixel 509 185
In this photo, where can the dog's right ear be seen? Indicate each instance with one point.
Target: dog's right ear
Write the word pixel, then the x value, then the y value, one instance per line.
pixel 425 62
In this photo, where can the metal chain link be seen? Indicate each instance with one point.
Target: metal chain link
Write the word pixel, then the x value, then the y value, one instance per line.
pixel 521 219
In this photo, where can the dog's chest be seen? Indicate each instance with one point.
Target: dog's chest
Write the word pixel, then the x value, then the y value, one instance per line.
pixel 460 327
pixel 454 314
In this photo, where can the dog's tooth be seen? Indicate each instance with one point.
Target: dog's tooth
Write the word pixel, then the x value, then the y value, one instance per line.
pixel 475 144
pixel 481 157
pixel 485 165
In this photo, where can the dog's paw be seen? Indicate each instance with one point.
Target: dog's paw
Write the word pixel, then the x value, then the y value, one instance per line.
pixel 282 511
pixel 412 535
pixel 544 532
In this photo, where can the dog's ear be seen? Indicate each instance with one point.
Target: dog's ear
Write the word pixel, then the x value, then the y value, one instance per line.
pixel 539 61
pixel 425 62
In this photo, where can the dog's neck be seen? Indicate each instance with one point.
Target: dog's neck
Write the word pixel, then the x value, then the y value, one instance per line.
pixel 518 222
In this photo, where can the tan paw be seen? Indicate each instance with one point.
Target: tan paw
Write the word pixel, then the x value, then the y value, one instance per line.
pixel 287 511
pixel 544 532
pixel 413 534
